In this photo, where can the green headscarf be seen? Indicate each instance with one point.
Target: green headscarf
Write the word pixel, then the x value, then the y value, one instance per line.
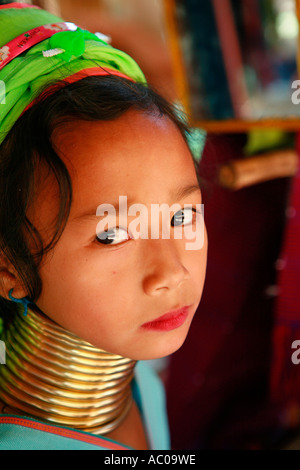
pixel 23 79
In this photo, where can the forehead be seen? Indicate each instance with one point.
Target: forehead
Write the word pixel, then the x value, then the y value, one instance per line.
pixel 140 156
pixel 137 152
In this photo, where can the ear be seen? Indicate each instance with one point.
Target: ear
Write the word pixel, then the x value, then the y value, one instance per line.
pixel 9 280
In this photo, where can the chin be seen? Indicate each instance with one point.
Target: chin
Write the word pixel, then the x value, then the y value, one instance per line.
pixel 162 347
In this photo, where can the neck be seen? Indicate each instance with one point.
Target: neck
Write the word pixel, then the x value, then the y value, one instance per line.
pixel 51 374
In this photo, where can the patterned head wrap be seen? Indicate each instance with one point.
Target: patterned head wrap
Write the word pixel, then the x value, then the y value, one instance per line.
pixel 37 49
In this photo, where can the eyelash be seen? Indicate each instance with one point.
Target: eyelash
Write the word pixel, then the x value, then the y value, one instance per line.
pixel 104 240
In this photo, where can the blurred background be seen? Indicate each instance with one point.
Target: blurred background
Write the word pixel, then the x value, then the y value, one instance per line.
pixel 135 26
pixel 233 66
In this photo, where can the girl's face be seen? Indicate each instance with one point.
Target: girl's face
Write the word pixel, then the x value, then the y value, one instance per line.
pixel 113 294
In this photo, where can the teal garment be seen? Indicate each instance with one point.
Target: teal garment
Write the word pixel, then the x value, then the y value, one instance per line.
pixel 149 395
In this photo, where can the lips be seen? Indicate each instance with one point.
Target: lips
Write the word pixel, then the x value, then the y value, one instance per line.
pixel 169 321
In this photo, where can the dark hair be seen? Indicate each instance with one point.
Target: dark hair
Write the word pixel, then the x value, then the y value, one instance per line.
pixel 92 98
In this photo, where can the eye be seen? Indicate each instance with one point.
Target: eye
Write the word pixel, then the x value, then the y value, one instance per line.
pixel 183 217
pixel 113 236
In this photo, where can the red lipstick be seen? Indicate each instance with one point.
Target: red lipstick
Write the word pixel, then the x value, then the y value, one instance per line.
pixel 169 321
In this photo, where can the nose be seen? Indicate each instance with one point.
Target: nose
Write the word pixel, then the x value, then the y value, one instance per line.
pixel 164 267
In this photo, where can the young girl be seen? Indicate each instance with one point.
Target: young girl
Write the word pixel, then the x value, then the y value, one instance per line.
pixel 80 305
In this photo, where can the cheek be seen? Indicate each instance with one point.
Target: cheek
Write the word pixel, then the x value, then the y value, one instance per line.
pixel 198 268
pixel 196 262
pixel 85 275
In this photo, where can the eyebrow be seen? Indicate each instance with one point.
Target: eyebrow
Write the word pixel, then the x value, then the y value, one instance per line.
pixel 177 195
pixel 185 191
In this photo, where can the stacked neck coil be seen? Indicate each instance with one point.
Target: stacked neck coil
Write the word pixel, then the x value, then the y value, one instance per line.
pixel 52 375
